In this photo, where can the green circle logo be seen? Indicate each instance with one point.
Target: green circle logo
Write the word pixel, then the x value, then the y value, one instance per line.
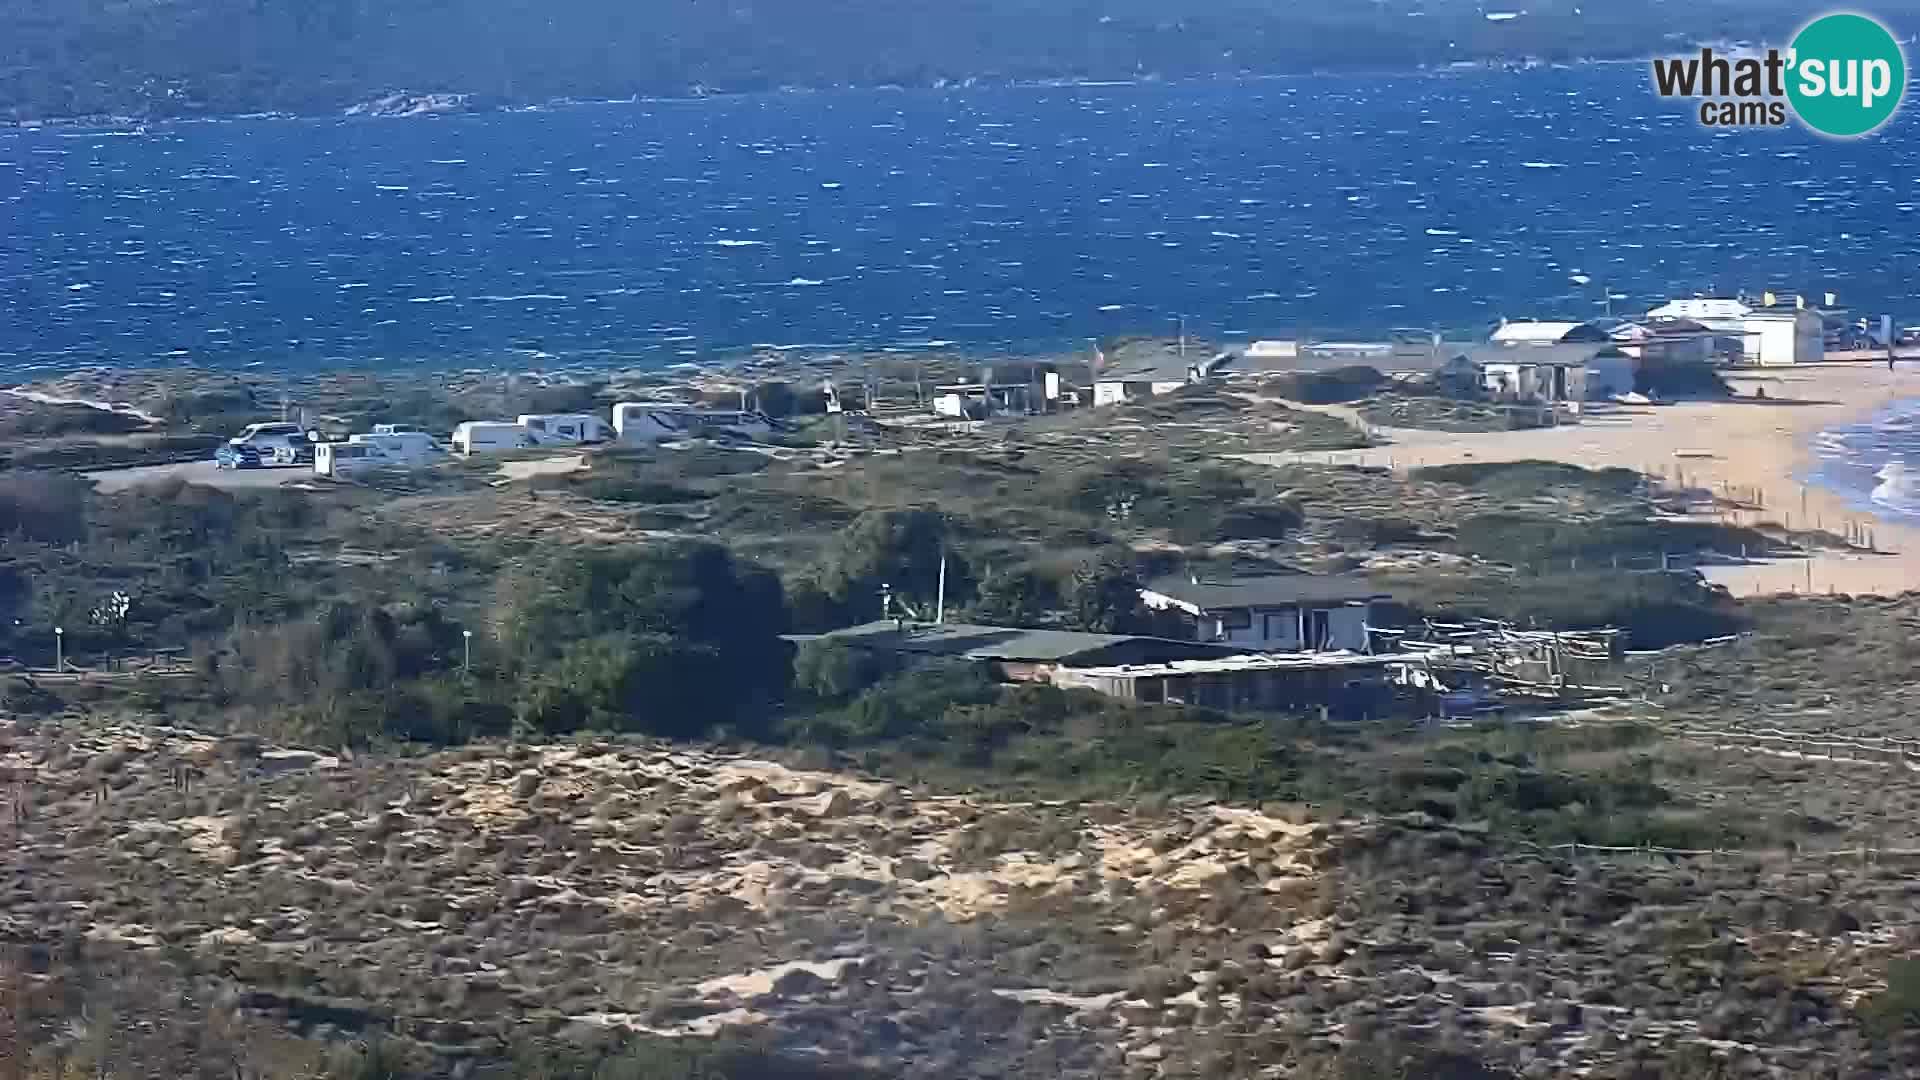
pixel 1846 75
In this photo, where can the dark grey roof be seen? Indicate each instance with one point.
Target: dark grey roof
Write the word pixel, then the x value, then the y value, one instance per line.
pixel 1389 360
pixel 1163 369
pixel 973 642
pixel 1156 361
pixel 1275 590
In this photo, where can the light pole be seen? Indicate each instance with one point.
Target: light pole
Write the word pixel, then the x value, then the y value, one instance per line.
pixel 466 664
pixel 59 649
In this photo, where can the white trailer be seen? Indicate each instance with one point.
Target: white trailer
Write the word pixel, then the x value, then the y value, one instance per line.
pixel 563 429
pixel 361 453
pixel 640 422
pixel 489 436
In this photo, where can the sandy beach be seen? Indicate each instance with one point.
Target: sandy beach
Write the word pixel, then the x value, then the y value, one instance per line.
pixel 1745 445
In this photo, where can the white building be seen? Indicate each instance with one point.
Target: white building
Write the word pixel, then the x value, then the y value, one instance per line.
pixel 1273 350
pixel 1532 332
pixel 1274 613
pixel 1777 338
pixel 1152 374
pixel 1552 374
pixel 1720 314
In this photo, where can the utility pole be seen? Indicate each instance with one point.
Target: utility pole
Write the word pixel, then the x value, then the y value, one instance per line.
pixel 466 661
pixel 1183 337
pixel 59 648
pixel 940 605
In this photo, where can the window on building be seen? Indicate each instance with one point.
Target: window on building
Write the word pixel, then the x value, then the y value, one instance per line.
pixel 1240 619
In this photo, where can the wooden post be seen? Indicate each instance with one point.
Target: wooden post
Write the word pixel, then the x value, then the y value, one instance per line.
pixel 13 1050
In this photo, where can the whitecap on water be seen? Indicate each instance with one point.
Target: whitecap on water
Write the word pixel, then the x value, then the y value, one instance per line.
pixel 739 243
pixel 1899 488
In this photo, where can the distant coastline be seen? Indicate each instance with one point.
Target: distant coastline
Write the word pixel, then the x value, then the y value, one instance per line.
pixel 475 104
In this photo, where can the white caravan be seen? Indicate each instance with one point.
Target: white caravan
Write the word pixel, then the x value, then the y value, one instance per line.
pixel 394 450
pixel 489 436
pixel 640 422
pixel 563 429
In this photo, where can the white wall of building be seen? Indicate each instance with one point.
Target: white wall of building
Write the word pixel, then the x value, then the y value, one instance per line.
pixel 1275 629
pixel 1778 339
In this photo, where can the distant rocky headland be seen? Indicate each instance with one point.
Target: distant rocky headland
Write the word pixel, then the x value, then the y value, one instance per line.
pixel 406 104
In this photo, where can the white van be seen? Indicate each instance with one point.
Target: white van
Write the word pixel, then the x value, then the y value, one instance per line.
pixel 563 429
pixel 267 435
pixel 642 422
pixel 488 436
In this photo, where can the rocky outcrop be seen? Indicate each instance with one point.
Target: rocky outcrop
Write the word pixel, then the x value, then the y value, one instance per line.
pixel 415 105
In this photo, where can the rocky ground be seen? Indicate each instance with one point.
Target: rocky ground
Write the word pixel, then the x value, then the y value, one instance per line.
pixel 576 891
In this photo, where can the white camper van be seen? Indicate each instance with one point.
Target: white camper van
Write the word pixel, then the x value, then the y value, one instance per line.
pixel 563 429
pixel 640 422
pixel 392 450
pixel 489 436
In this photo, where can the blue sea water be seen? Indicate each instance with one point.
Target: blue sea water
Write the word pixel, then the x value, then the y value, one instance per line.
pixel 1874 464
pixel 989 219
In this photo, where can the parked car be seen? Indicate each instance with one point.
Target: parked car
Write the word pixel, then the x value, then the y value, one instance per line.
pixel 238 455
pixel 276 443
pixel 292 453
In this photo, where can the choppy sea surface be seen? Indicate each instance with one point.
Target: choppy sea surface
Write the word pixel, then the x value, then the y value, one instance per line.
pixel 1875 464
pixel 985 219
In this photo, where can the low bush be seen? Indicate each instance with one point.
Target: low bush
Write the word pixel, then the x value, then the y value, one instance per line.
pixel 1655 610
pixel 1521 479
pixel 1895 1011
pixel 1326 387
pixel 1538 542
